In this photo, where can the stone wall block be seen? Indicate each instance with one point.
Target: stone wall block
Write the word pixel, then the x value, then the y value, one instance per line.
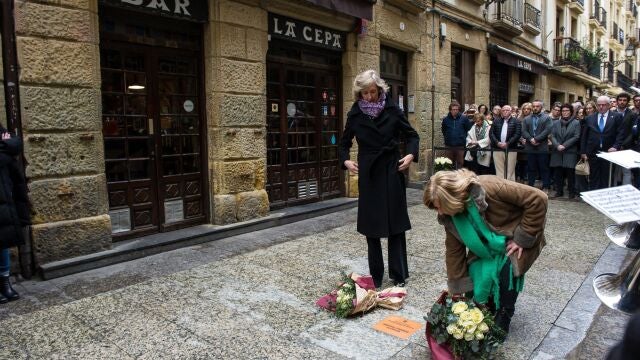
pixel 387 26
pixel 60 109
pixel 239 176
pixel 352 185
pixel 34 19
pixel 236 110
pixel 69 198
pixel 257 44
pixel 368 44
pixel 252 204
pixel 240 143
pixel 64 154
pixel 230 41
pixel 224 209
pixel 91 5
pixel 242 14
pixel 240 76
pixel 366 62
pixel 65 239
pixel 48 61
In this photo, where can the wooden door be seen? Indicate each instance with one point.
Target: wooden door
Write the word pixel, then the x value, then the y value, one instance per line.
pixel 152 129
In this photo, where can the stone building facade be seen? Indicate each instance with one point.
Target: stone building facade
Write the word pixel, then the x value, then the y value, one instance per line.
pixel 142 117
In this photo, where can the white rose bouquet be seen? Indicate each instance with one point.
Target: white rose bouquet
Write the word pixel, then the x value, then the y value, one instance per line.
pixel 459 328
pixel 442 163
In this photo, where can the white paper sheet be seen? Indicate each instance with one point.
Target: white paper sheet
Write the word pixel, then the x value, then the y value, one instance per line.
pixel 621 203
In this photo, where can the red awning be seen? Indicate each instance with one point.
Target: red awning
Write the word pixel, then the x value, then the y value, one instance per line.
pixel 358 8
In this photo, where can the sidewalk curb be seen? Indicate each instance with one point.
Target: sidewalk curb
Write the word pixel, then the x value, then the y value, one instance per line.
pixel 573 323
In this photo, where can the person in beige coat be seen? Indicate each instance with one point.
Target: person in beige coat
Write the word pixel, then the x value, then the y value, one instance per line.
pixel 478 152
pixel 513 215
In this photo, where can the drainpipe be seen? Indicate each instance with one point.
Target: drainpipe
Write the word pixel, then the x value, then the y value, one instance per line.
pixel 433 83
pixel 12 104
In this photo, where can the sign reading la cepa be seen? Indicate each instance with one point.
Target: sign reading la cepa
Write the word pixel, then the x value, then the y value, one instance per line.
pixel 299 31
pixel 195 10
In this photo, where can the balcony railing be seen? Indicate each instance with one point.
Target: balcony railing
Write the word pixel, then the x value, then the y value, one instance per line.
pixel 511 11
pixel 614 31
pixel 603 17
pixel 621 36
pixel 607 72
pixel 581 2
pixel 531 16
pixel 569 52
pixel 595 14
pixel 623 81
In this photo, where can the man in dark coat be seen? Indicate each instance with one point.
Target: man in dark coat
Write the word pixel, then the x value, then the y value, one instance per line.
pixel 536 129
pixel 628 121
pixel 505 133
pixel 14 212
pixel 454 130
pixel 603 132
pixel 382 203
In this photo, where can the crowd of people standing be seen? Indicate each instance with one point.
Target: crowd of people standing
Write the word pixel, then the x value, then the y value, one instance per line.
pixel 541 147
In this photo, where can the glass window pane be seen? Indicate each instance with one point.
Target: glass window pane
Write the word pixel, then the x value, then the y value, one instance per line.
pixel 191 163
pixel 170 145
pixel 190 125
pixel 138 148
pixel 136 105
pixel 112 81
pixel 114 149
pixel 169 125
pixel 137 126
pixel 134 62
pixel 136 83
pixel 171 165
pixel 139 169
pixel 190 144
pixel 110 59
pixel 112 104
pixel 116 170
pixel 113 126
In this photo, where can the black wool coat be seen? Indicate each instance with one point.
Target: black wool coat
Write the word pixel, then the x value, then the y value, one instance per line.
pixel 382 202
pixel 14 209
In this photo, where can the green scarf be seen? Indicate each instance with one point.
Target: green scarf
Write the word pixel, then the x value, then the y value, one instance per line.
pixel 491 252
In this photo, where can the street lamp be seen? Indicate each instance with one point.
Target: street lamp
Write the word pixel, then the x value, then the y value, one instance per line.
pixel 630 53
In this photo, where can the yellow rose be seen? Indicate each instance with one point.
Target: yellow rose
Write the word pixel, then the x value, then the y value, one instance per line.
pixel 465 316
pixel 483 327
pixel 467 324
pixel 479 335
pixel 471 329
pixel 451 329
pixel 459 307
pixel 468 337
pixel 476 315
pixel 458 334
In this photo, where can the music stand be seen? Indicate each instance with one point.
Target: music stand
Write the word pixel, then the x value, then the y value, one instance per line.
pixel 628 159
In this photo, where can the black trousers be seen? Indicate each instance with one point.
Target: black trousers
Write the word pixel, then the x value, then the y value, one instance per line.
pixel 599 173
pixel 397 247
pixel 562 173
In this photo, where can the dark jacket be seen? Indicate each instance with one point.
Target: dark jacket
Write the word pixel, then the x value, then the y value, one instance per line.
pixel 541 132
pixel 628 121
pixel 14 210
pixel 382 202
pixel 455 129
pixel 568 136
pixel 514 210
pixel 514 131
pixel 593 141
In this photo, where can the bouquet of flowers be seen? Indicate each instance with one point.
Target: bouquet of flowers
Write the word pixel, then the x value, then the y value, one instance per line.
pixel 356 294
pixel 459 328
pixel 442 163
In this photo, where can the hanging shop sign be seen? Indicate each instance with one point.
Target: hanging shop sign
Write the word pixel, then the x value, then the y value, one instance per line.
pixel 194 10
pixel 526 88
pixel 282 27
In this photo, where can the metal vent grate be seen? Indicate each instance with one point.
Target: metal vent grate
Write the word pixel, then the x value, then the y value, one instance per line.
pixel 307 189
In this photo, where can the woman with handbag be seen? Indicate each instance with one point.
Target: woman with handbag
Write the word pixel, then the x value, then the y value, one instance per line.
pixel 565 136
pixel 501 224
pixel 478 153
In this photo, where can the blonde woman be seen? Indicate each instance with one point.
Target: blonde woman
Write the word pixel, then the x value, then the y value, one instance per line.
pixel 478 145
pixel 377 123
pixel 500 223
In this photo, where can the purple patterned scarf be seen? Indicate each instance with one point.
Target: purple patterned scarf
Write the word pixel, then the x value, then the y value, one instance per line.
pixel 373 109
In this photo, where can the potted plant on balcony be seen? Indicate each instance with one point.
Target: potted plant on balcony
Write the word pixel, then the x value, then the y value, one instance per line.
pixel 593 58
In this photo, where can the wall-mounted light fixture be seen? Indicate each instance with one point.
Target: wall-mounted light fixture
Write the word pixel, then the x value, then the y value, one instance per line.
pixel 443 33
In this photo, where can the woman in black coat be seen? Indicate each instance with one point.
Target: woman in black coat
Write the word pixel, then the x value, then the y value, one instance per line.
pixel 14 212
pixel 378 125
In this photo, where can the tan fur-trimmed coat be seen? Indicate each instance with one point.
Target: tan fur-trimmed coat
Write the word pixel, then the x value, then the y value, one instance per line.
pixel 509 208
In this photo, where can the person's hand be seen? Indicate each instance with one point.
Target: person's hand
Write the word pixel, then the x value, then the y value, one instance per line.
pixel 405 162
pixel 6 136
pixel 561 147
pixel 533 141
pixel 512 248
pixel 502 145
pixel 583 156
pixel 523 141
pixel 612 149
pixel 352 166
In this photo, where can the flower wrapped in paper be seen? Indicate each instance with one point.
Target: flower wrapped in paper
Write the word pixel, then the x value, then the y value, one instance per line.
pixel 356 295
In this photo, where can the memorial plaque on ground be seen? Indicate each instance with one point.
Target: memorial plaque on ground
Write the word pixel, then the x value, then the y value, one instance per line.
pixel 398 326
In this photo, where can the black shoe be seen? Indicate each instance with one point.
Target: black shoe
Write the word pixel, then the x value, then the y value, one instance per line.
pixel 503 320
pixel 3 300
pixel 6 290
pixel 402 283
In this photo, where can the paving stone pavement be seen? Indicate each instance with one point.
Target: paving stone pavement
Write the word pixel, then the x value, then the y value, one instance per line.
pixel 252 296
